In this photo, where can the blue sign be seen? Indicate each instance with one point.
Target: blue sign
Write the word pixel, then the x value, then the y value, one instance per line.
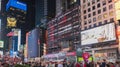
pixel 16 4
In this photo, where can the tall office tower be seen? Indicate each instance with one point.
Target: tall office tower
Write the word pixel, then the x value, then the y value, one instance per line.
pixel 99 19
pixel 64 5
pixel 63 32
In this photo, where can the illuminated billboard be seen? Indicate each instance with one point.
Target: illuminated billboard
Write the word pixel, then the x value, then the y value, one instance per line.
pixel 16 4
pixel 100 34
pixel 11 22
pixel 1 44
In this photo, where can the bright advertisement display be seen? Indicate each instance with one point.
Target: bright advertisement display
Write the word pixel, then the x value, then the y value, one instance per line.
pixel 33 43
pixel 100 34
pixel 1 44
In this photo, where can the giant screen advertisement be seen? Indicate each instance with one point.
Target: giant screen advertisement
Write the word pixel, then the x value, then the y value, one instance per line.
pixel 99 34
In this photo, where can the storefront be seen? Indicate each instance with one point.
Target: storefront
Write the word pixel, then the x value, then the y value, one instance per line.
pixel 71 56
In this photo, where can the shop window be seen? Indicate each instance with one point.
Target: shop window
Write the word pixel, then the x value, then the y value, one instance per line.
pixel 89 9
pixel 109 1
pixel 94 19
pixel 105 15
pixel 99 11
pixel 93 7
pixel 104 9
pixel 89 15
pixel 111 13
pixel 84 11
pixel 99 17
pixel 104 2
pixel 94 13
pixel 85 17
pixel 110 6
pixel 98 5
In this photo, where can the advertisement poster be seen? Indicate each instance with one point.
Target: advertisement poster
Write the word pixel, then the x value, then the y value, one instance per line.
pixel 99 34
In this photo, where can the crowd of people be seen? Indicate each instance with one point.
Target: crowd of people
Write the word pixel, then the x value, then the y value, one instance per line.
pixel 103 63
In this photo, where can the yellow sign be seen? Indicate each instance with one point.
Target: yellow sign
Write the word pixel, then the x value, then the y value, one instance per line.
pixel 11 22
pixel 118 15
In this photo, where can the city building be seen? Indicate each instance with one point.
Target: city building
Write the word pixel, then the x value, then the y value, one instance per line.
pixel 98 28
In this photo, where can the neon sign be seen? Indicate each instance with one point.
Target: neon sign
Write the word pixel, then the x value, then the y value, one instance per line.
pixel 16 4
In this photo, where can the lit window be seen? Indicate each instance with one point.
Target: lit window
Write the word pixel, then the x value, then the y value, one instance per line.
pixel 105 15
pixel 111 13
pixel 99 17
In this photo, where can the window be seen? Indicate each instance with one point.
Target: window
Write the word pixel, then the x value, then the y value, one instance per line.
pixel 89 15
pixel 85 22
pixel 84 11
pixel 93 7
pixel 111 13
pixel 84 1
pixel 99 11
pixel 105 21
pixel 85 28
pixel 89 21
pixel 98 0
pixel 85 17
pixel 88 3
pixel 84 6
pixel 89 9
pixel 100 23
pixel 98 5
pixel 111 19
pixel 90 26
pixel 104 2
pixel 93 1
pixel 99 17
pixel 95 25
pixel 94 19
pixel 110 6
pixel 105 15
pixel 104 9
pixel 109 1
pixel 94 13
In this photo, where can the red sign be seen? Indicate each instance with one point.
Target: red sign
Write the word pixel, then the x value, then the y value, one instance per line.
pixel 71 54
pixel 85 55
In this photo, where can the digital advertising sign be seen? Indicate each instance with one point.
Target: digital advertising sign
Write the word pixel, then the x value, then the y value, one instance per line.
pixel 99 34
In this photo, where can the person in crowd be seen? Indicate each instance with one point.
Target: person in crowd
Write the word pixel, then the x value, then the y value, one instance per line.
pixel 77 64
pixel 117 64
pixel 60 64
pixel 103 64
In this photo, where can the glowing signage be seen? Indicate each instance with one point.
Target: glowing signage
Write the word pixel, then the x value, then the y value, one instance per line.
pixel 117 8
pixel 16 4
pixel 1 44
pixel 11 22
pixel 99 34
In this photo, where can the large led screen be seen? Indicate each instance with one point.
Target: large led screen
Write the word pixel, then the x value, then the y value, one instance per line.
pixel 100 34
